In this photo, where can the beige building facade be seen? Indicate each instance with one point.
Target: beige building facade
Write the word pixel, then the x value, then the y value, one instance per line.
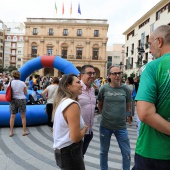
pixel 2 39
pixel 80 41
pixel 115 56
pixel 137 36
pixel 14 44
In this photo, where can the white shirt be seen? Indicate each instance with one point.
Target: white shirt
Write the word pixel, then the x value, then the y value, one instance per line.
pixel 61 133
pixel 34 95
pixel 18 89
pixel 52 90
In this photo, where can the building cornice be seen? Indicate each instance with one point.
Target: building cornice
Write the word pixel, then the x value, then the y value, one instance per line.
pixel 74 21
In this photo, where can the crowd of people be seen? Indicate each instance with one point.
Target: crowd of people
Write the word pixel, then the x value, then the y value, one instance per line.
pixel 71 102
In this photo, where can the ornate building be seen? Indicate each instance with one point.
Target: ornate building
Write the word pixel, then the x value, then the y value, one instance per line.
pixel 81 41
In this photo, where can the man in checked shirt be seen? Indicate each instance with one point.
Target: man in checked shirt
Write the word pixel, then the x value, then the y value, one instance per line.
pixel 87 102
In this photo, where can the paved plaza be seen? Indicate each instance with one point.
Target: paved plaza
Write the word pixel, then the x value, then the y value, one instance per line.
pixel 34 152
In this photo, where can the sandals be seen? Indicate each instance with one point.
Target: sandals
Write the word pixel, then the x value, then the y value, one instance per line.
pixel 11 134
pixel 25 133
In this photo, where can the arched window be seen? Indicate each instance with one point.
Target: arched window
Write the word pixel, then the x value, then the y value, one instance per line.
pixel 8 38
pixel 14 38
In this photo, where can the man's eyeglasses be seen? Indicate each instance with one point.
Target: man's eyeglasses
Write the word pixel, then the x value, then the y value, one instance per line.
pixel 149 43
pixel 90 73
pixel 116 73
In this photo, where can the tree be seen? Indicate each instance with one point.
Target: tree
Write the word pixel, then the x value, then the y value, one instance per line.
pixel 11 68
pixel 124 76
pixel 132 74
pixel 1 69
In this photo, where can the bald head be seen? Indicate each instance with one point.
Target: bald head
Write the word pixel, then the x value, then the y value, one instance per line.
pixel 164 32
pixel 160 41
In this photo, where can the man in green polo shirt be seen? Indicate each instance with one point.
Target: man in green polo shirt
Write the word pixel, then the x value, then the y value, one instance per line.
pixel 153 106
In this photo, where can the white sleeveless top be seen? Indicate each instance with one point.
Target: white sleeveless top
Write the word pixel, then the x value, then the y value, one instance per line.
pixel 61 135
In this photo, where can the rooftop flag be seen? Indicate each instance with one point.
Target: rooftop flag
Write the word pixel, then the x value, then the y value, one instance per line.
pixel 63 9
pixel 55 7
pixel 79 10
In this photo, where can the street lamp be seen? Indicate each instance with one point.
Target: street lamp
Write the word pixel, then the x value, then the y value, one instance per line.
pixel 140 56
pixel 121 64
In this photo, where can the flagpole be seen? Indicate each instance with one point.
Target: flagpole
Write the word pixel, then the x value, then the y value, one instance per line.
pixel 55 10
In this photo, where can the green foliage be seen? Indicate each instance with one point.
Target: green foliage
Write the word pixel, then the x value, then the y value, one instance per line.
pixel 124 76
pixel 1 69
pixel 132 74
pixel 11 68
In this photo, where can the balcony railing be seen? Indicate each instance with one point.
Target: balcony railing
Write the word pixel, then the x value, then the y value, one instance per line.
pixel 78 57
pixel 146 45
pixel 12 62
pixel 13 54
pixel 68 20
pixel 78 34
pixel 13 47
pixel 64 56
pixel 50 33
pixel 35 33
pixel 65 33
pixel 95 58
pixel 71 56
pixel 34 55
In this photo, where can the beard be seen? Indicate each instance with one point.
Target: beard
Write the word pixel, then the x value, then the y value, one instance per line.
pixel 156 54
pixel 117 84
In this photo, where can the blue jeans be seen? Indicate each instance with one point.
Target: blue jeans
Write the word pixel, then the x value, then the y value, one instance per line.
pixel 124 144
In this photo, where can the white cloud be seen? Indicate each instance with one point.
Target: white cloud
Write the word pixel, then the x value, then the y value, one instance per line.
pixel 120 13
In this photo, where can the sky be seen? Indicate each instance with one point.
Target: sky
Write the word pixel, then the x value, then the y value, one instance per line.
pixel 121 14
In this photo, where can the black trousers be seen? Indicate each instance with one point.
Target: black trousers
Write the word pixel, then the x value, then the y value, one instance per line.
pixel 142 163
pixel 70 157
pixel 87 139
pixel 49 110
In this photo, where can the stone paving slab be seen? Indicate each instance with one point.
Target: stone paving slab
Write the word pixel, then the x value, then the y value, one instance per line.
pixel 34 151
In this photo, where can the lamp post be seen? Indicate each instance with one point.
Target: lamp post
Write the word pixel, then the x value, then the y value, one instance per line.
pixel 121 64
pixel 140 56
pixel 140 53
pixel 140 63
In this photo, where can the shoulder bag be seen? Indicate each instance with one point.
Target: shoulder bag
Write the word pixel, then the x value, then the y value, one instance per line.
pixel 8 94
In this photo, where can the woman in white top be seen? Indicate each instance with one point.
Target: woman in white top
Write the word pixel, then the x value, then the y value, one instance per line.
pixel 48 94
pixel 130 113
pixel 18 102
pixel 69 127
